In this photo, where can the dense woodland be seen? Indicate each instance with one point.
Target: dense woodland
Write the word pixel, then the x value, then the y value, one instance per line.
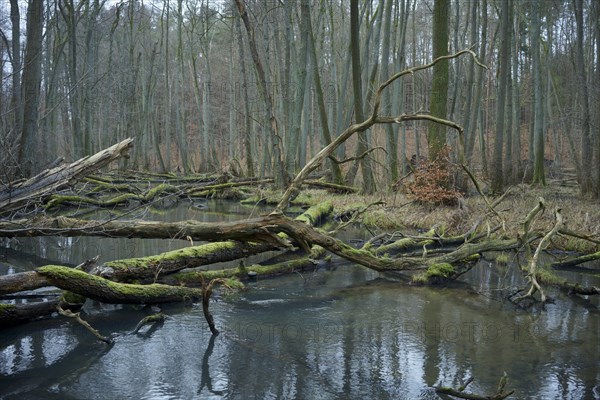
pixel 202 89
pixel 199 99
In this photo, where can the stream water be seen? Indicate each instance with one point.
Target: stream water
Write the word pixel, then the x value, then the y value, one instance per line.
pixel 338 332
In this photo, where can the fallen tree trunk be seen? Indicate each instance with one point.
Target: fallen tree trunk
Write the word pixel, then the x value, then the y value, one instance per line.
pixel 22 281
pixel 576 261
pixel 14 314
pixel 167 263
pixel 19 195
pixel 253 229
pixel 144 268
pixel 244 273
pixel 100 289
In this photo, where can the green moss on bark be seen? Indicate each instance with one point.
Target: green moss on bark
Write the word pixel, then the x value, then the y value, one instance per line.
pixel 434 273
pixel 101 289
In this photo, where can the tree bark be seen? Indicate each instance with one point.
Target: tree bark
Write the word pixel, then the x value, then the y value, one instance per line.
pixel 280 171
pixel 100 289
pixel 47 182
pixel 32 79
pixel 368 185
pixel 436 135
pixel 503 73
pixel 585 179
pixel 538 128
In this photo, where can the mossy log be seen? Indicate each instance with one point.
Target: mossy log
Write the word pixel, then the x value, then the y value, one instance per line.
pixel 19 195
pixel 100 289
pixel 167 263
pixel 576 261
pixel 252 229
pixel 120 200
pixel 243 273
pixel 332 187
pixel 143 268
pixel 407 243
pixel 203 190
pixel 303 232
pixel 22 281
pixel 435 273
pixel 14 314
pixel 316 214
pixel 547 277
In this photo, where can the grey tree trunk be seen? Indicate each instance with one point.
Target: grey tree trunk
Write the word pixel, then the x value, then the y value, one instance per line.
pixel 32 78
pixel 538 121
pixel 585 179
pixel 516 105
pixel 336 172
pixel 247 127
pixel 475 112
pixel 280 170
pixel 368 184
pixel 436 134
pixel 503 72
pixel 16 101
pixel 391 136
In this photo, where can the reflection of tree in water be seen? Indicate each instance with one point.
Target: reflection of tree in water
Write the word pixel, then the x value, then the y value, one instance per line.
pixel 206 380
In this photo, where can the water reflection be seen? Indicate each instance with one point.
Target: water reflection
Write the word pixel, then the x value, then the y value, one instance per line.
pixel 334 333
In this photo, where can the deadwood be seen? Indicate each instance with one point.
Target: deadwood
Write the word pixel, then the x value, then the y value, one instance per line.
pixel 18 195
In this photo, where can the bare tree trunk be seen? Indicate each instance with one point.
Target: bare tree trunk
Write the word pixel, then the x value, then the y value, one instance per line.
pixel 538 121
pixel 516 104
pixel 475 112
pixel 504 71
pixel 436 135
pixel 32 78
pixel 585 179
pixel 19 195
pixel 368 185
pixel 280 171
pixel 16 101
pixel 336 172
pixel 391 135
pixel 247 127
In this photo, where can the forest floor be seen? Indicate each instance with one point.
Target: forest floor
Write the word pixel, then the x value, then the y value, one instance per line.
pixel 401 212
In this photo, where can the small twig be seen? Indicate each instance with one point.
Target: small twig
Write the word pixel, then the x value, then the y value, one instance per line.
pixel 363 155
pixel 491 207
pixel 69 314
pixel 533 264
pixel 150 319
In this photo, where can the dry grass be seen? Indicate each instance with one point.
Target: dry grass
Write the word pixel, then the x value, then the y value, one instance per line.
pixel 402 213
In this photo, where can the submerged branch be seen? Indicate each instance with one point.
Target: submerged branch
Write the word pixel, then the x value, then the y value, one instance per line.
pixel 86 325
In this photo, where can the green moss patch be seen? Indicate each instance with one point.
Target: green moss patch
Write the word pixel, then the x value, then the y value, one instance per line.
pixel 434 273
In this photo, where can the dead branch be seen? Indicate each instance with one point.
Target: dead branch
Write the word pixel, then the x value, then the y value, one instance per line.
pixel 77 317
pixel 567 232
pixel 18 195
pixel 460 392
pixel 356 158
pixel 575 261
pixel 373 119
pixel 533 263
pixel 150 319
pixel 355 215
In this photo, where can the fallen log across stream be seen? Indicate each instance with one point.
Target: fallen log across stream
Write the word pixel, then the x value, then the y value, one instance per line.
pixel 175 276
pixel 102 283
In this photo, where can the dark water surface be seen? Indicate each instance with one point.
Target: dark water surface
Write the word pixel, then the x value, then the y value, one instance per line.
pixel 339 332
